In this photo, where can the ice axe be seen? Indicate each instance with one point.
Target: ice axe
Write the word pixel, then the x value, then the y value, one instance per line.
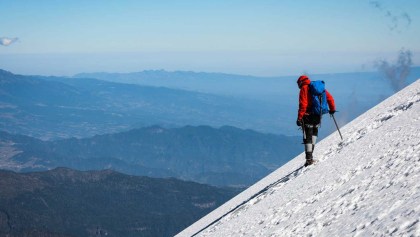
pixel 332 115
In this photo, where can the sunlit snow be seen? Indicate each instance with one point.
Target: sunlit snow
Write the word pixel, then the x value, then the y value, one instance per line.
pixel 366 185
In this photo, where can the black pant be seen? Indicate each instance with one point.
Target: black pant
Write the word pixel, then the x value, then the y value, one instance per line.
pixel 311 123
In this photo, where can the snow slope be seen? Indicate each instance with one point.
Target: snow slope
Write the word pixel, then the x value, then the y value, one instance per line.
pixel 366 185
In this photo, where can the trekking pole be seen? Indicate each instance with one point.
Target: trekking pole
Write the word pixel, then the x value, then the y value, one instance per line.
pixel 332 115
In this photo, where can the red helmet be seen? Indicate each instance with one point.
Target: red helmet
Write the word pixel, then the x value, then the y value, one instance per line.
pixel 302 80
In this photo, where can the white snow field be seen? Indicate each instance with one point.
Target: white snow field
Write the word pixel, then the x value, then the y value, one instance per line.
pixel 366 185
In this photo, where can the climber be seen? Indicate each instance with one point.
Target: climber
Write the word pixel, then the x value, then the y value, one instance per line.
pixel 314 101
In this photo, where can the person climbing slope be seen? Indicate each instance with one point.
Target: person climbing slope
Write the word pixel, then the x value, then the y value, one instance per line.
pixel 314 101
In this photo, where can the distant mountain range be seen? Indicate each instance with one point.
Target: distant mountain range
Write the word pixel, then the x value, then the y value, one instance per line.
pixel 214 83
pixel 61 107
pixel 225 157
pixel 64 202
pixel 54 107
pixel 354 92
pixel 262 88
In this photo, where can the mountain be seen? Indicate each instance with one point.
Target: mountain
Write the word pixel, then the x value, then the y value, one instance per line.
pixel 366 185
pixel 354 92
pixel 215 83
pixel 274 89
pixel 225 156
pixel 65 202
pixel 57 107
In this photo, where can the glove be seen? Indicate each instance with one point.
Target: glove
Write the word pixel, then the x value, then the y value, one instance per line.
pixel 299 122
pixel 331 112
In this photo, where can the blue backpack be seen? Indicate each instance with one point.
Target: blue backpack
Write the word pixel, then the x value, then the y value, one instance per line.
pixel 319 97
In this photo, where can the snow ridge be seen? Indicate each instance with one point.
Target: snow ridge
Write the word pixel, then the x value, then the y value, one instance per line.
pixel 366 185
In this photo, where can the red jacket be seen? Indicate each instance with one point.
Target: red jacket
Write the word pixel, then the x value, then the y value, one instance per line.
pixel 305 100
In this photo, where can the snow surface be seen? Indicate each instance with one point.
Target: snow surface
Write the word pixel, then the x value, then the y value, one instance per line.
pixel 366 185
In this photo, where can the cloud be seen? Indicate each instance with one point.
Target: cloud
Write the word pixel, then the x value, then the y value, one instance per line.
pixel 396 73
pixel 407 18
pixel 395 21
pixel 376 4
pixel 6 41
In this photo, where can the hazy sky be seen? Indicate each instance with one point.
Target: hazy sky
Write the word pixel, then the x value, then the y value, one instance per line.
pixel 282 37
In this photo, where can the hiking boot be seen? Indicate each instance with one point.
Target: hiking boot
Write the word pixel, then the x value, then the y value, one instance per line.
pixel 308 162
pixel 309 159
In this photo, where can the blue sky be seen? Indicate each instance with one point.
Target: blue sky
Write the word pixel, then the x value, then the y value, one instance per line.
pixel 268 38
